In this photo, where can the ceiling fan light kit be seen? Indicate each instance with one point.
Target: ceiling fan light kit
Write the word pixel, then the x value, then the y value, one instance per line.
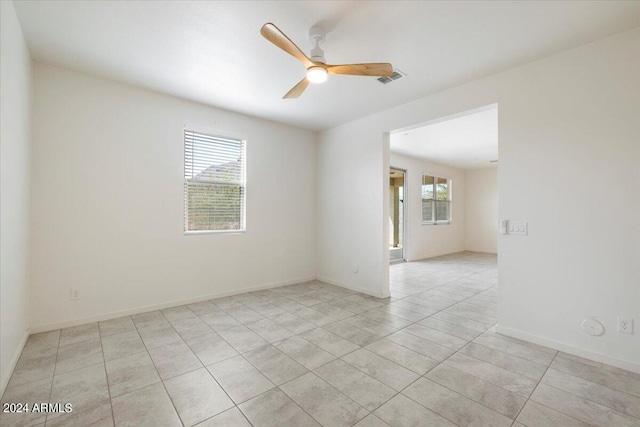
pixel 317 69
pixel 317 75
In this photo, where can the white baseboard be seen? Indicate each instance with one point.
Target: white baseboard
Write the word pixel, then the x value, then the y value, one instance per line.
pixel 138 310
pixel 576 351
pixel 352 287
pixel 433 255
pixel 14 362
pixel 481 252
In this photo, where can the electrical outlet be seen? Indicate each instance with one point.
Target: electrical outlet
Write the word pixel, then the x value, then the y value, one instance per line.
pixel 625 325
pixel 74 294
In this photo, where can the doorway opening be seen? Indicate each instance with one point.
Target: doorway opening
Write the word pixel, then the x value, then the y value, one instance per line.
pixel 443 201
pixel 397 211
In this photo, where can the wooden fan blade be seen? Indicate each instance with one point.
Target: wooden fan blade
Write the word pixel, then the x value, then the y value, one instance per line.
pixel 297 90
pixel 372 69
pixel 272 33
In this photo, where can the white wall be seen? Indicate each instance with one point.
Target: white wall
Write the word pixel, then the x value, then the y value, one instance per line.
pixel 569 132
pixel 481 210
pixel 352 225
pixel 108 202
pixel 428 240
pixel 15 104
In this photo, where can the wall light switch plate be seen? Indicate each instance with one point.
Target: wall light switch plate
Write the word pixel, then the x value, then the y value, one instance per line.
pixel 518 228
pixel 504 226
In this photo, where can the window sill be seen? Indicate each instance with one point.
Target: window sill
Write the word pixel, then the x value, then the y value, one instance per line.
pixel 196 233
pixel 437 223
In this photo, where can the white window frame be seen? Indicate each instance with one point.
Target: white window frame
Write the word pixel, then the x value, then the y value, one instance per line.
pixel 243 213
pixel 434 207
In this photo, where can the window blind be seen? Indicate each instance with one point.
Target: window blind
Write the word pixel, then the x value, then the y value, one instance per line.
pixel 214 182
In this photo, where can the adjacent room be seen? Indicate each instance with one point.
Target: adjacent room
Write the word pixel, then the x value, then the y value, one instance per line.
pixel 444 201
pixel 353 213
pixel 450 192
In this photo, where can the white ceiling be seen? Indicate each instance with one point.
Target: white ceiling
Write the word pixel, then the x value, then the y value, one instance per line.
pixel 212 52
pixel 467 142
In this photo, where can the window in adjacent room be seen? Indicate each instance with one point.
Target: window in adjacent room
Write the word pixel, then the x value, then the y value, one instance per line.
pixel 436 200
pixel 214 183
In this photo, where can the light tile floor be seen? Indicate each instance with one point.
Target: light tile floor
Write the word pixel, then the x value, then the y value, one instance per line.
pixel 314 354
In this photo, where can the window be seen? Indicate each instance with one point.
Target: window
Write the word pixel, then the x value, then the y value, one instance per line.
pixel 436 200
pixel 214 188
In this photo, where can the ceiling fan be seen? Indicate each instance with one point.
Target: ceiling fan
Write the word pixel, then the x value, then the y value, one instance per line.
pixel 317 68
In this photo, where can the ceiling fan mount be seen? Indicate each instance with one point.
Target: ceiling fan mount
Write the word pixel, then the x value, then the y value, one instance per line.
pixel 317 68
pixel 317 36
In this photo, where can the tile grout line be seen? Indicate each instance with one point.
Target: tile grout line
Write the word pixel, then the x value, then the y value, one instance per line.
pixel 264 298
pixel 330 385
pixel 156 368
pixel 203 366
pixel 456 352
pixel 53 378
pixel 473 341
pixel 287 296
pixel 296 403
pixel 293 379
pixel 336 358
pixel 506 369
pixel 384 336
pixel 106 374
pixel 534 390
pixel 468 342
pixel 528 398
pixel 421 376
pixel 424 376
pixel 591 380
pixel 582 397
